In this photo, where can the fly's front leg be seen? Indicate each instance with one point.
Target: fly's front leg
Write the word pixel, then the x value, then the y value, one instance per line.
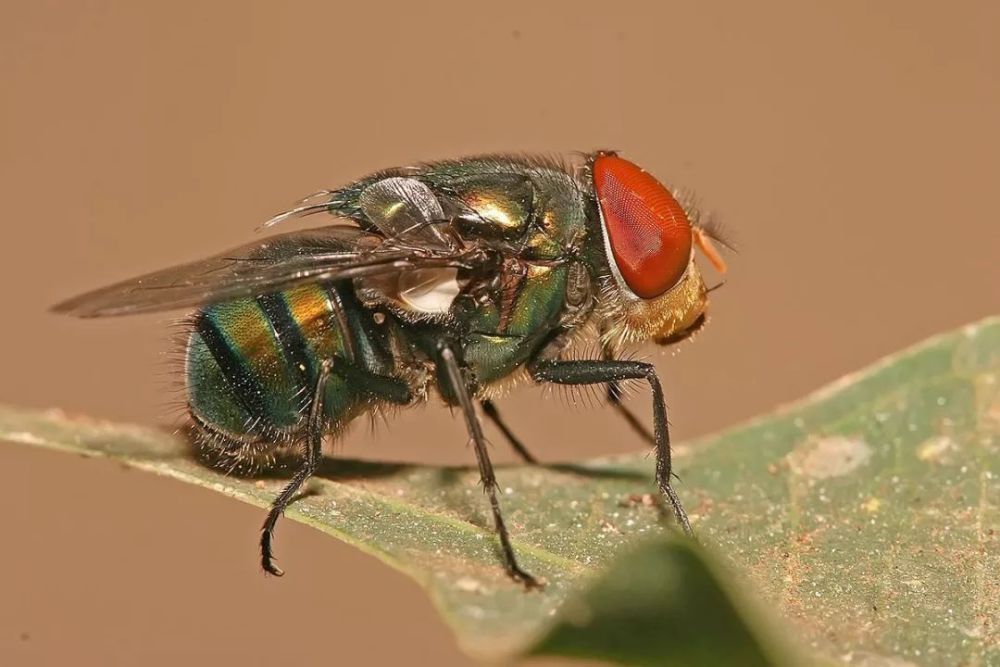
pixel 491 412
pixel 614 396
pixel 610 371
pixel 486 474
pixel 315 428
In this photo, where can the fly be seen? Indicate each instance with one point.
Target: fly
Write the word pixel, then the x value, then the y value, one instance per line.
pixel 445 277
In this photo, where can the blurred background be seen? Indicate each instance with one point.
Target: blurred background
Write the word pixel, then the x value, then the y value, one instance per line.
pixel 850 148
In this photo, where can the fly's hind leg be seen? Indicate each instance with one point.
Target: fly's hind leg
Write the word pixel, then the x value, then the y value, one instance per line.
pixel 315 428
pixel 461 392
pixel 613 372
pixel 491 412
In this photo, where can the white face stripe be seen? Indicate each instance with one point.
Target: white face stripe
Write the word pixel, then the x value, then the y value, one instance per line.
pixel 615 271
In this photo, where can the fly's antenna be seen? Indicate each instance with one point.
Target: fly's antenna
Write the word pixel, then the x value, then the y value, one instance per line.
pixel 703 240
pixel 706 228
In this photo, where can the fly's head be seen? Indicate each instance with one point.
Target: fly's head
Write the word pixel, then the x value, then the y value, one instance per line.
pixel 655 290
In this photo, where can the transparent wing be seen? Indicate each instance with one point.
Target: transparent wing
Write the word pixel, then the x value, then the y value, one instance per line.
pixel 271 265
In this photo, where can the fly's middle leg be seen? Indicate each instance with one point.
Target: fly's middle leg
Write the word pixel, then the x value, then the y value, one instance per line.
pixel 493 414
pixel 461 391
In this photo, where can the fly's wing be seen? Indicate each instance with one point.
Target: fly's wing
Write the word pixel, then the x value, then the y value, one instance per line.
pixel 271 265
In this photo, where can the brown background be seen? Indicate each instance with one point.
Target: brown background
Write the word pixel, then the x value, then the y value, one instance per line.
pixel 852 150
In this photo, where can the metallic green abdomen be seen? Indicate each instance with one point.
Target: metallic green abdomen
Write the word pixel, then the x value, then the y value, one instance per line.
pixel 252 364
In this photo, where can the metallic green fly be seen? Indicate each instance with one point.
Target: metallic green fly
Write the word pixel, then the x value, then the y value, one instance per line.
pixel 452 277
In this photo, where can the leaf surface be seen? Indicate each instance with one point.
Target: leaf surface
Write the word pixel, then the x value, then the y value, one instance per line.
pixel 867 516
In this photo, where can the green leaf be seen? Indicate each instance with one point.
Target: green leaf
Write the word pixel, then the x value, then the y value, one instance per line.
pixel 660 604
pixel 866 516
pixel 870 513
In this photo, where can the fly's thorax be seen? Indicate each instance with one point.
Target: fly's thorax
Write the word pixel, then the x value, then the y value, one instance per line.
pixel 533 207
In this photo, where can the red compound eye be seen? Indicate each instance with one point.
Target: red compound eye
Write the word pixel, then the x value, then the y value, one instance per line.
pixel 648 231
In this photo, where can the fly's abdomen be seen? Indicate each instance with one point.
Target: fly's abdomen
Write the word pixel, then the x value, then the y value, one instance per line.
pixel 252 364
pixel 239 380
